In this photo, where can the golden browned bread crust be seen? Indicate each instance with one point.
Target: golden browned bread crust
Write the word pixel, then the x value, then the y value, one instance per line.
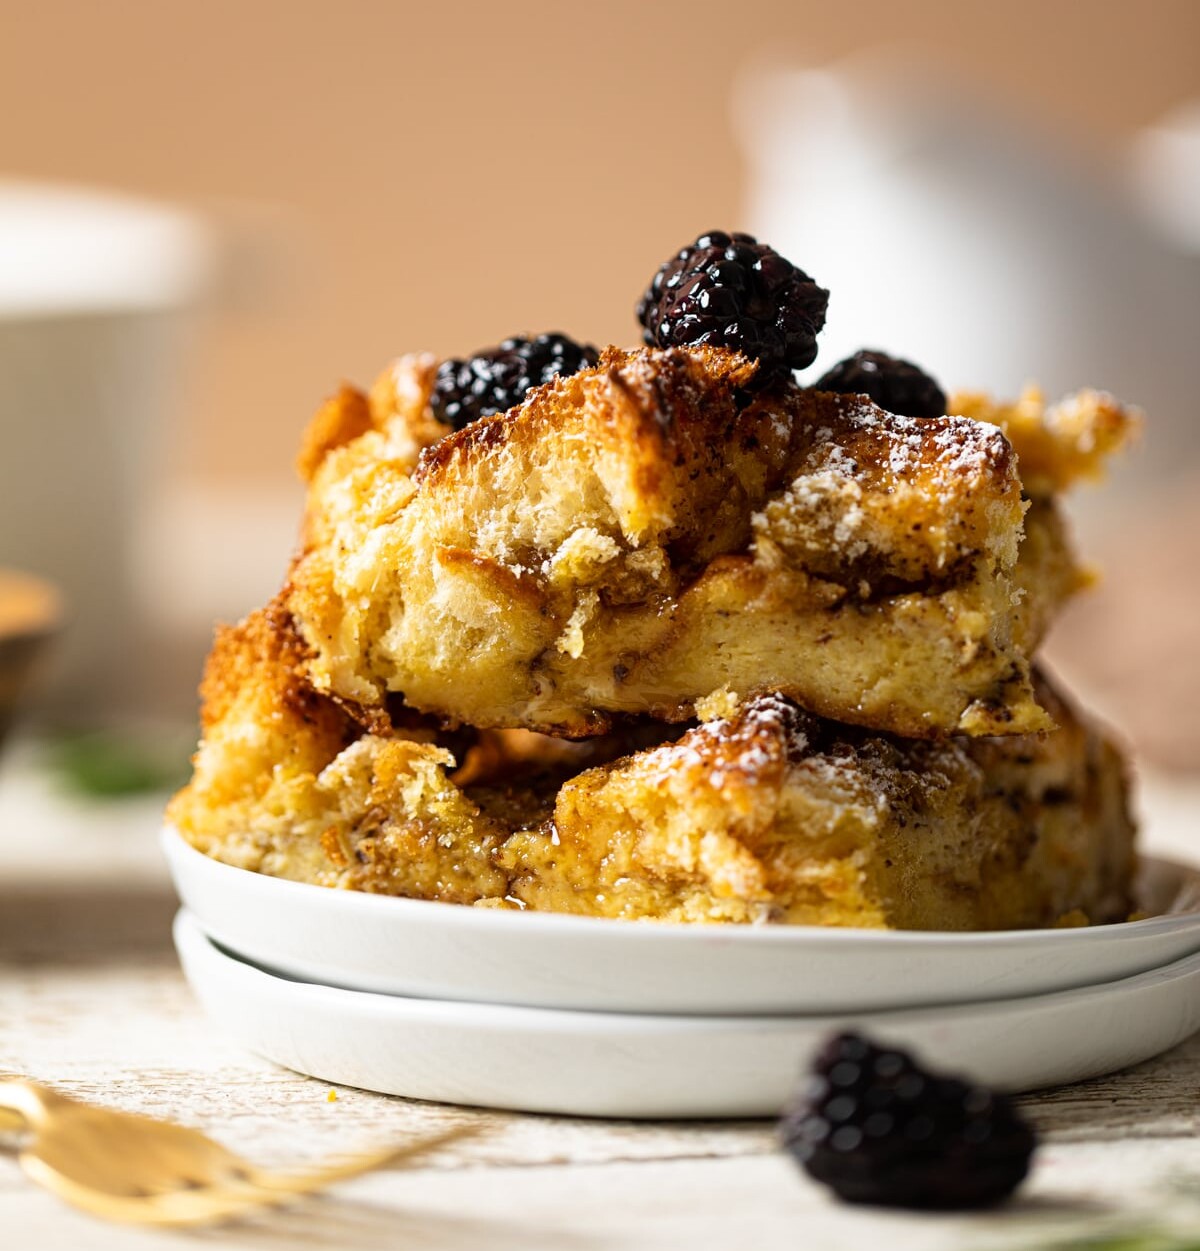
pixel 763 813
pixel 633 539
pixel 1057 444
pixel 343 418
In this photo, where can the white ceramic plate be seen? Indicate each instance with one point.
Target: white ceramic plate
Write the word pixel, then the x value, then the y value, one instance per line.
pixel 445 951
pixel 613 1064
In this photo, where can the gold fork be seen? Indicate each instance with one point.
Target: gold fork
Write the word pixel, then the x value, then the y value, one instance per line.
pixel 126 1167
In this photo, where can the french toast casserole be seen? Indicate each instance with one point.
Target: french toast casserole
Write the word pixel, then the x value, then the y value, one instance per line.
pixel 663 634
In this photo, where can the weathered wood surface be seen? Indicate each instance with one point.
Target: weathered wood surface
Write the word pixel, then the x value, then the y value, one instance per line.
pixel 91 1001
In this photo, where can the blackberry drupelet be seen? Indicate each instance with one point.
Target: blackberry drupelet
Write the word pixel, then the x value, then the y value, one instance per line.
pixel 495 379
pixel 895 385
pixel 879 1129
pixel 731 291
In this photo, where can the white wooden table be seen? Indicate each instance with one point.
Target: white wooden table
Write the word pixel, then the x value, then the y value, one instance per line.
pixel 91 1001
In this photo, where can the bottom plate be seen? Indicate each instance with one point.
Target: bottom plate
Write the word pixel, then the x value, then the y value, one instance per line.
pixel 615 1064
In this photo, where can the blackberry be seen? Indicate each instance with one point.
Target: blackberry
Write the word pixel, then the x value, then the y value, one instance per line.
pixel 879 1129
pixel 495 379
pixel 731 291
pixel 895 385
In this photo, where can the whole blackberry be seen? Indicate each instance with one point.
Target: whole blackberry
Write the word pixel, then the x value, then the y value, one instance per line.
pixel 495 379
pixel 879 1129
pixel 731 291
pixel 895 385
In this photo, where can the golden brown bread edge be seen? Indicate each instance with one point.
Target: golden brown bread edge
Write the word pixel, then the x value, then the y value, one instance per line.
pixel 765 813
pixel 636 539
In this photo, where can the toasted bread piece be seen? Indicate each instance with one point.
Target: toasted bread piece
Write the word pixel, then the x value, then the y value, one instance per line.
pixel 774 814
pixel 631 539
pixel 763 814
pixel 1060 444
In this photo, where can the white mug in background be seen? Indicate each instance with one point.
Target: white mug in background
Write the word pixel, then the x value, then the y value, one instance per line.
pixel 96 293
pixel 987 251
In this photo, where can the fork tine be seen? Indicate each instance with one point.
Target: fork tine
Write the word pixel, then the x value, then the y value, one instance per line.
pixel 230 1196
pixel 306 1183
pixel 182 1207
pixel 172 1207
pixel 136 1169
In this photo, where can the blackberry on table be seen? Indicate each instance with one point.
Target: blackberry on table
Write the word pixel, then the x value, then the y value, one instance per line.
pixel 730 291
pixel 896 385
pixel 495 379
pixel 879 1129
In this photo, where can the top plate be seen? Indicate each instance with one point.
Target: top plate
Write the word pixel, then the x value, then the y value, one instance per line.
pixel 540 959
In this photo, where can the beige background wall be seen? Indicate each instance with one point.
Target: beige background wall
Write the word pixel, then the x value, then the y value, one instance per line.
pixel 440 175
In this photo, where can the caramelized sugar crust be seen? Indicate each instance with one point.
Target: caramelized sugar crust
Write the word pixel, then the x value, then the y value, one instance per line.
pixel 760 813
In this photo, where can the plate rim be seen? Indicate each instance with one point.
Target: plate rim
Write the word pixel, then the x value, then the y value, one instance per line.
pixel 179 852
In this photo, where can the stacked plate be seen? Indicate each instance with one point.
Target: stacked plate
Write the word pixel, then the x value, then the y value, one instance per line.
pixel 549 1013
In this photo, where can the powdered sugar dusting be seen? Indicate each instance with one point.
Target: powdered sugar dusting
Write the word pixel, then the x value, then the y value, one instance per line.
pixel 751 743
pixel 956 446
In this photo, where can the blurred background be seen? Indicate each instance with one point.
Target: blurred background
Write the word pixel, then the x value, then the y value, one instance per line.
pixel 212 214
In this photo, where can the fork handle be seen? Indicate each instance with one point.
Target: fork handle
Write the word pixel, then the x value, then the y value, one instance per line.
pixel 11 1119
